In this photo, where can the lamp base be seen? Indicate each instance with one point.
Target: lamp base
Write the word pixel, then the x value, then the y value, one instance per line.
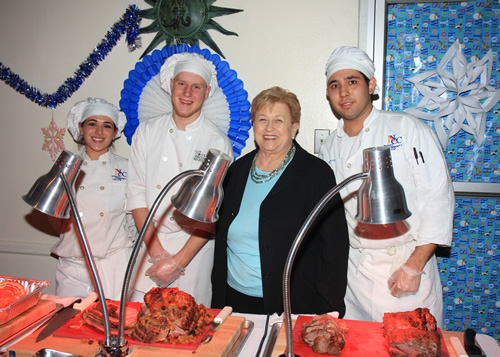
pixel 115 349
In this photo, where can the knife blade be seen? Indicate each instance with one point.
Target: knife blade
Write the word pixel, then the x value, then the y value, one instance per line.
pixel 64 315
pixel 218 320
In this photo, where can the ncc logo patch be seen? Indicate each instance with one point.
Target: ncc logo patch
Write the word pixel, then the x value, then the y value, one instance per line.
pixel 119 175
pixel 394 141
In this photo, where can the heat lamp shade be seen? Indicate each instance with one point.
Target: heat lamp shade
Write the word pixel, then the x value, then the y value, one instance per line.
pixel 200 196
pixel 47 194
pixel 381 198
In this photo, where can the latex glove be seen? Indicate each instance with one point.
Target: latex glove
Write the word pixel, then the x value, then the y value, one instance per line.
pixel 164 270
pixel 404 282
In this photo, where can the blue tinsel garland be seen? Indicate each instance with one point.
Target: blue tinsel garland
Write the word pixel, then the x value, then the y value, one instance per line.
pixel 129 23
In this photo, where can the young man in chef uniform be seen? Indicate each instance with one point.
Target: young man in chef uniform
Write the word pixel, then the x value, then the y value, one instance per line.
pixel 178 255
pixel 391 267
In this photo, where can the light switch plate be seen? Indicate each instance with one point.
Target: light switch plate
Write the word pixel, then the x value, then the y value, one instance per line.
pixel 319 136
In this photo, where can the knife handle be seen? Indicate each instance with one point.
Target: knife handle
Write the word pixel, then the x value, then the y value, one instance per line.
pixel 457 346
pixel 223 314
pixel 86 302
pixel 470 344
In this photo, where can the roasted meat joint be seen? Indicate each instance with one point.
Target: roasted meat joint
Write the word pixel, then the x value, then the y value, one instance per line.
pixel 325 334
pixel 167 315
pixel 93 317
pixel 170 315
pixel 412 333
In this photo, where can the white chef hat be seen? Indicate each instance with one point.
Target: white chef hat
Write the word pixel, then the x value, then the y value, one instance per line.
pixel 94 106
pixel 188 62
pixel 347 57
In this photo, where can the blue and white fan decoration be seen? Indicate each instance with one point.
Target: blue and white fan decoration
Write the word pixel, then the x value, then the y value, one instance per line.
pixel 142 97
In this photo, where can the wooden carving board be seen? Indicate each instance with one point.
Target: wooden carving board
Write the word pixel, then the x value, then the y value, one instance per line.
pixel 34 313
pixel 224 338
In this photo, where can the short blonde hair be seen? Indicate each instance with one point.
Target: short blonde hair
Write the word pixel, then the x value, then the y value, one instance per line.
pixel 276 95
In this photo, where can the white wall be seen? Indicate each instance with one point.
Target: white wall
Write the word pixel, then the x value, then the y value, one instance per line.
pixel 281 42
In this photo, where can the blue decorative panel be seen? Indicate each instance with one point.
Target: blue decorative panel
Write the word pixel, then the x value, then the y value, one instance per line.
pixel 418 37
pixel 470 275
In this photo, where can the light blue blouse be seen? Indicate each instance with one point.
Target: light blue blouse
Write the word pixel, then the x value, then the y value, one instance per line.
pixel 243 257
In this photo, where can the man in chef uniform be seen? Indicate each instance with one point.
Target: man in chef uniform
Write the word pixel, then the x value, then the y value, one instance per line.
pixel 391 267
pixel 179 252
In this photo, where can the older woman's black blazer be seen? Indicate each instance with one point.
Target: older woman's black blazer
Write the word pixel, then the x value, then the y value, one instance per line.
pixel 319 275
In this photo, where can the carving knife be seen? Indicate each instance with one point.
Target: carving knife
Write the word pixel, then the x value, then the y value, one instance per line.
pixel 64 315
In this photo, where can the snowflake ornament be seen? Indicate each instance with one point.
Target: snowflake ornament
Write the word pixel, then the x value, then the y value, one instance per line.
pixel 53 139
pixel 459 99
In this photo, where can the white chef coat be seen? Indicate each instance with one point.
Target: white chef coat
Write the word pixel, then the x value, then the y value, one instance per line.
pixel 158 153
pixel 430 198
pixel 100 199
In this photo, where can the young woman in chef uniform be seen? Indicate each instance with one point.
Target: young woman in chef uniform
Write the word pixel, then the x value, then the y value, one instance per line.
pixel 100 197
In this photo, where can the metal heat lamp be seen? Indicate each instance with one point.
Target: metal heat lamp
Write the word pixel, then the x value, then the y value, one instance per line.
pixel 381 200
pixel 198 198
pixel 52 194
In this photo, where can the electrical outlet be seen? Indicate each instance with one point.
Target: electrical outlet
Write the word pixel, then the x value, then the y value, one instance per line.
pixel 319 136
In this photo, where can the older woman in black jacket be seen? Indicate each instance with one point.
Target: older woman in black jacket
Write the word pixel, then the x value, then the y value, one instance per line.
pixel 268 194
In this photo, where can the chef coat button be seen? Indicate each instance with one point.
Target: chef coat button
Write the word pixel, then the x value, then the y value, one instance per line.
pixel 101 214
pixel 171 218
pixel 188 137
pixel 180 164
pixel 171 131
pixel 85 163
pixel 82 187
pixel 158 187
pixel 102 188
pixel 164 158
pixel 348 166
pixel 267 276
pixel 104 162
pixel 367 129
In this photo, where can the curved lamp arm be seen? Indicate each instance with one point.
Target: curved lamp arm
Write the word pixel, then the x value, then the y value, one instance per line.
pixel 137 246
pixel 381 200
pixel 293 252
pixel 88 255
